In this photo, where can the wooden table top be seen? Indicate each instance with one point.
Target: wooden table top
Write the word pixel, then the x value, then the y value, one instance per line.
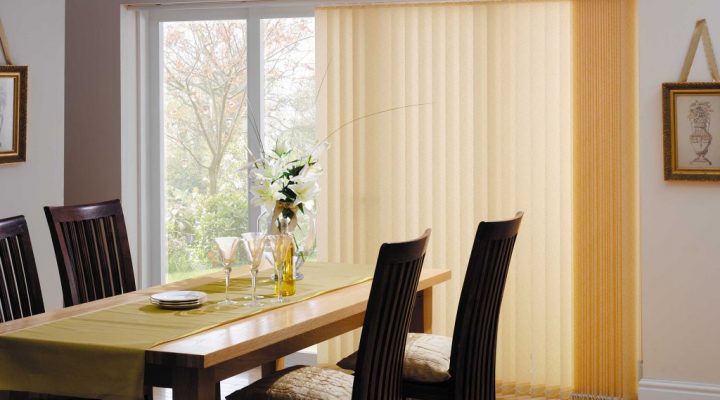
pixel 235 339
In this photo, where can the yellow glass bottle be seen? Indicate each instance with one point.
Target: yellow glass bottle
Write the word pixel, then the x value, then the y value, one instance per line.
pixel 287 286
pixel 288 281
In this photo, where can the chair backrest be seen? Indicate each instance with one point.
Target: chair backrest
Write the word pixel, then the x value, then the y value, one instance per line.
pixel 92 251
pixel 472 359
pixel 20 294
pixel 378 373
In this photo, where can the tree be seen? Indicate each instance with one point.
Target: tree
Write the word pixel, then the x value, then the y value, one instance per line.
pixel 206 114
pixel 206 83
pixel 206 87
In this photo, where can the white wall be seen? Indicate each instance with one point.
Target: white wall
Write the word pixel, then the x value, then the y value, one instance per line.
pixel 36 34
pixel 679 221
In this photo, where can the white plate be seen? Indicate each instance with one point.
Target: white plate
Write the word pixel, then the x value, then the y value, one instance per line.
pixel 179 297
pixel 178 306
pixel 177 302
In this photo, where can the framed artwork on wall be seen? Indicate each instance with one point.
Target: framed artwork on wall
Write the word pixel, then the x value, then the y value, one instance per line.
pixel 691 130
pixel 13 113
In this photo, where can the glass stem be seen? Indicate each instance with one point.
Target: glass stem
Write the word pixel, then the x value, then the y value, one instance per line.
pixel 253 276
pixel 278 281
pixel 227 284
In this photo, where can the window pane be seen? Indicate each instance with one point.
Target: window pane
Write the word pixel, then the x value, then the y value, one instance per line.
pixel 289 50
pixel 289 74
pixel 205 126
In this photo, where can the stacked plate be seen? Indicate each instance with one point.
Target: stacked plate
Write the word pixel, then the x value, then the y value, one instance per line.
pixel 178 300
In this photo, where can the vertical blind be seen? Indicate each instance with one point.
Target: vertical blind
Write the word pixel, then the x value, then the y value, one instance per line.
pixel 605 199
pixel 441 116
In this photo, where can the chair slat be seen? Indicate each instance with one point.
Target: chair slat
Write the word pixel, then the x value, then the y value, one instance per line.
pixel 20 294
pixel 387 320
pixel 102 281
pixel 472 360
pixel 92 250
pixel 10 285
pixel 87 273
pixel 102 248
pixel 5 306
pixel 111 241
pixel 20 279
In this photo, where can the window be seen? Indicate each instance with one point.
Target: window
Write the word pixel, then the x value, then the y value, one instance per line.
pixel 223 82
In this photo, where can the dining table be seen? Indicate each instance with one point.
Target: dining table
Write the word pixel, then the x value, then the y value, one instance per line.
pixel 50 352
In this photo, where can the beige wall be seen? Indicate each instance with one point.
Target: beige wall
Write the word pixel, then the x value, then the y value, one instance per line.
pixel 36 35
pixel 680 221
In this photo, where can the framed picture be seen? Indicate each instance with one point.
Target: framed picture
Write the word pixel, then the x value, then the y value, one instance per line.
pixel 691 130
pixel 13 113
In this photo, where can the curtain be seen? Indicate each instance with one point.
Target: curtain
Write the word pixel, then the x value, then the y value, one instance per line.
pixel 605 199
pixel 441 116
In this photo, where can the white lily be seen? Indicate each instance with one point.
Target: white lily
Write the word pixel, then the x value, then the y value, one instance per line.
pixel 285 169
pixel 309 173
pixel 265 194
pixel 281 148
pixel 304 191
pixel 269 171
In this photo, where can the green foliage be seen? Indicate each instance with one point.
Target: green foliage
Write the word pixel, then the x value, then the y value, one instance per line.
pixel 193 222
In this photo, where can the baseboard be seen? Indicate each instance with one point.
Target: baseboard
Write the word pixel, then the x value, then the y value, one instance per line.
pixel 656 389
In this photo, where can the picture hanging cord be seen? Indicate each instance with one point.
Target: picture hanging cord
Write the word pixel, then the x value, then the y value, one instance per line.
pixel 701 32
pixel 4 45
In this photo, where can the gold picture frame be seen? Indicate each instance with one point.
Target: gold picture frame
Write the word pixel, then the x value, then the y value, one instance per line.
pixel 13 113
pixel 691 130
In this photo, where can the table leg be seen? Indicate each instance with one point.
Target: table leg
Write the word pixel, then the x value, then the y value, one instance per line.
pixel 422 314
pixel 271 367
pixel 194 384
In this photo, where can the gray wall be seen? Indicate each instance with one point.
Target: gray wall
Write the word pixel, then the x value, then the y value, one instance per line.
pixel 36 35
pixel 92 112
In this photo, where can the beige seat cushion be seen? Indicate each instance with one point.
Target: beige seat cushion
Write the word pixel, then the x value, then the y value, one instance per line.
pixel 299 383
pixel 427 358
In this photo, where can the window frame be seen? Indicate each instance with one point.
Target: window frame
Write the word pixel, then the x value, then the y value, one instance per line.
pixel 150 190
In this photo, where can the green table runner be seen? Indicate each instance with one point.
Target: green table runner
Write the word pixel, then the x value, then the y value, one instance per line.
pixel 101 354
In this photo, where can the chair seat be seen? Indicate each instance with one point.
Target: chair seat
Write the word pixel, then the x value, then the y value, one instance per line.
pixel 299 383
pixel 427 358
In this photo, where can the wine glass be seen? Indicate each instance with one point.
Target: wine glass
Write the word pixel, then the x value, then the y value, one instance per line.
pixel 254 245
pixel 279 246
pixel 307 246
pixel 228 249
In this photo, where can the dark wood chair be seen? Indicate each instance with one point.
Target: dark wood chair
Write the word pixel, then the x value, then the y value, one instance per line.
pixel 463 367
pixel 382 343
pixel 20 294
pixel 472 359
pixel 92 251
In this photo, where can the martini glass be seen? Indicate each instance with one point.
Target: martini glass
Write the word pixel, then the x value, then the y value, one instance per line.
pixel 279 246
pixel 228 249
pixel 254 244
